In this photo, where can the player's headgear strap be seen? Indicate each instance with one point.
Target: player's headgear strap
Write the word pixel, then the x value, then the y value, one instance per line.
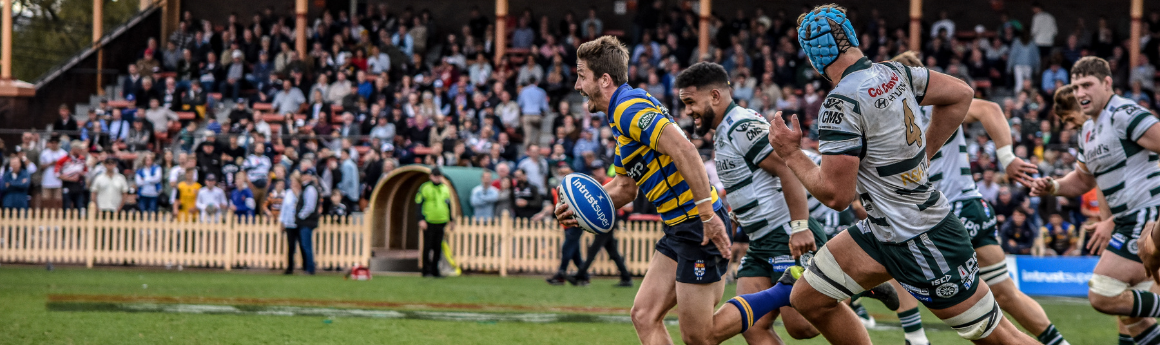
pixel 824 34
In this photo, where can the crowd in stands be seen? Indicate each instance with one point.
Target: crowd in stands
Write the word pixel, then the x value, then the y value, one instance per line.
pixel 218 118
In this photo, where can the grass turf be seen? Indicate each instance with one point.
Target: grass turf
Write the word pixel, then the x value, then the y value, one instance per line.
pixel 25 319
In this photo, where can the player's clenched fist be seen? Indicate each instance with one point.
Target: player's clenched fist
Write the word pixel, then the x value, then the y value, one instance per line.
pixel 785 140
pixel 1043 186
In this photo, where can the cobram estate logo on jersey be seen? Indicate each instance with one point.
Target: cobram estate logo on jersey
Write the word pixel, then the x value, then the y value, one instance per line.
pixel 884 88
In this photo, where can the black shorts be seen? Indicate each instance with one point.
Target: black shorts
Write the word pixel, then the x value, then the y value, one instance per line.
pixel 696 264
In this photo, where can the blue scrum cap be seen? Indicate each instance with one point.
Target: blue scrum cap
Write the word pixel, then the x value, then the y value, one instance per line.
pixel 823 34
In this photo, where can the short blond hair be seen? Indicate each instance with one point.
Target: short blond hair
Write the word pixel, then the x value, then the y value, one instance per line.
pixel 908 58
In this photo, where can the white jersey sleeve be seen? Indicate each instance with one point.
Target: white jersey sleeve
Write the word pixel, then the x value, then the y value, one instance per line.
pixel 840 127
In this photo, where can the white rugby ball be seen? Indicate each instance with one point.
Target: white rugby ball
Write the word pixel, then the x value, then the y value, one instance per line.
pixel 590 204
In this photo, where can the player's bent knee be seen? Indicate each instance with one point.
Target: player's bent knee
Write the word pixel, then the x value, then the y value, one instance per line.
pixel 1106 286
pixel 979 320
pixel 643 316
pixel 827 277
pixel 994 274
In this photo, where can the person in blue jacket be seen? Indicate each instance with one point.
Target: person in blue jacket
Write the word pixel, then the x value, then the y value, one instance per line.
pixel 242 198
pixel 15 183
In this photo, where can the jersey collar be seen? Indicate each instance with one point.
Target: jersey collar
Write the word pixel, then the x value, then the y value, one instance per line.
pixel 859 65
pixel 612 100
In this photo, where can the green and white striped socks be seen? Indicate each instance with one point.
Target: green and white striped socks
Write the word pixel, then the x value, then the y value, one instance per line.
pixel 1126 340
pixel 1144 304
pixel 912 325
pixel 1051 336
pixel 1150 336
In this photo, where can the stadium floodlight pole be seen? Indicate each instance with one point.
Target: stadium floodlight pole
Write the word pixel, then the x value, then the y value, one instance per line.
pixel 915 25
pixel 6 44
pixel 703 34
pixel 1137 12
pixel 300 27
pixel 501 11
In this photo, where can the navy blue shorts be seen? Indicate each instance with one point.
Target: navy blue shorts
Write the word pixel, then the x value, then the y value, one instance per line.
pixel 696 264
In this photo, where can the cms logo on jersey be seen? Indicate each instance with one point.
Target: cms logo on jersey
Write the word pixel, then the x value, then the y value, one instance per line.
pixel 832 117
pixel 885 88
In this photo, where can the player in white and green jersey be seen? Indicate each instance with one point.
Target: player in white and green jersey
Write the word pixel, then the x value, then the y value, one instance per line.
pixel 832 221
pixel 767 199
pixel 874 149
pixel 1118 148
pixel 950 171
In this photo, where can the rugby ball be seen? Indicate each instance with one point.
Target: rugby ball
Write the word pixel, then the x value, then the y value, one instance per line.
pixel 590 204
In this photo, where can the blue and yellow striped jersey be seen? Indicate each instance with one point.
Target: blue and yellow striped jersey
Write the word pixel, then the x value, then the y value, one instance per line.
pixel 637 120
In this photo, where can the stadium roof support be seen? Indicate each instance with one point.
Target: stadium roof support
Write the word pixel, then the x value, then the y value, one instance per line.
pixel 98 32
pixel 501 11
pixel 300 7
pixel 10 87
pixel 703 34
pixel 915 25
pixel 1137 13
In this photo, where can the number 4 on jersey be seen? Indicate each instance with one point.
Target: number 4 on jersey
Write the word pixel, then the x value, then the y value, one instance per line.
pixel 913 131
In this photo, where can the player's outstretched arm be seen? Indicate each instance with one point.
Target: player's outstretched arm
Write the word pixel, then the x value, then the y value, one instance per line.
pixel 951 99
pixel 990 115
pixel 1076 183
pixel 833 183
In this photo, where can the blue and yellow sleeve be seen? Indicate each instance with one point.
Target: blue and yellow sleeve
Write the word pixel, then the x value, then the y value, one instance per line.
pixel 641 120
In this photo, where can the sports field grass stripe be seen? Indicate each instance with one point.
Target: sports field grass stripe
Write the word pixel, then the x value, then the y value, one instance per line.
pixel 299 302
pixel 338 312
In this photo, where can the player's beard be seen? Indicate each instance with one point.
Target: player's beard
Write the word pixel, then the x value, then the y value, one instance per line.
pixel 589 102
pixel 707 118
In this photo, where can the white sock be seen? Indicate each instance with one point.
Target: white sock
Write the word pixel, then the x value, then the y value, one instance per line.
pixel 917 337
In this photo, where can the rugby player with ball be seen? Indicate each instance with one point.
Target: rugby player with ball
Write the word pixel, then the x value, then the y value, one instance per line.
pixel 653 156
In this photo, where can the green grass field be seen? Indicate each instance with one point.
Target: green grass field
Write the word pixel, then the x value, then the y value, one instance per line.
pixel 26 316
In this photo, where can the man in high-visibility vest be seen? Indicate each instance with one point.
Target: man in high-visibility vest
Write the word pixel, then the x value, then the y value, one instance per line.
pixel 434 199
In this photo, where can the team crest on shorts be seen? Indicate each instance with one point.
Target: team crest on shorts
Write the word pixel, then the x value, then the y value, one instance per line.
pixel 947 290
pixel 699 269
pixel 806 259
pixel 1133 247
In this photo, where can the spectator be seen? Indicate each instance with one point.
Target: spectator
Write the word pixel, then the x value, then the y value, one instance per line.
pixel 139 137
pixel 1043 28
pixel 1059 237
pixel 569 251
pixel 307 211
pixel 525 196
pixel 131 83
pixel 523 37
pixel 242 201
pixel 339 89
pixel 484 197
pixel 240 115
pixel 1017 233
pixel 434 199
pixel 349 186
pixel 272 207
pixel 50 183
pixel 289 100
pixel 508 111
pixel 530 73
pixel 194 99
pixel 535 167
pixel 289 200
pixel 943 24
pixel 66 122
pixel 210 72
pixel 108 188
pixel 159 118
pixel 15 184
pixel 1143 73
pixel 591 25
pixel 209 158
pixel 148 181
pixel 211 200
pixel 533 102
pixel 1023 60
pixel 184 199
pixel 1053 74
pixel 72 170
pixel 403 41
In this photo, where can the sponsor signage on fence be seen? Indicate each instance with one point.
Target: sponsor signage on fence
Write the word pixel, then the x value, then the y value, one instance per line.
pixel 1052 276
